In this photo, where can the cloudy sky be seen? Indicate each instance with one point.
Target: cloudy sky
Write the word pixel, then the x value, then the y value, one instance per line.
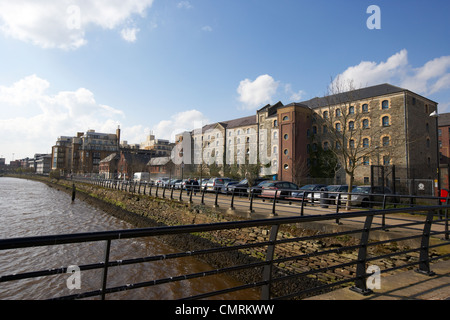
pixel 162 65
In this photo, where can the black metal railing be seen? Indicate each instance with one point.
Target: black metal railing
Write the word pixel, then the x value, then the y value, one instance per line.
pixel 278 201
pixel 272 259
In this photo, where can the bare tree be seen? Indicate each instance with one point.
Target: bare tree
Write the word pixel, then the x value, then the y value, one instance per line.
pixel 355 134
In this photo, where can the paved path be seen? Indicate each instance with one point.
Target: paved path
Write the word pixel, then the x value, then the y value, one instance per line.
pixel 408 285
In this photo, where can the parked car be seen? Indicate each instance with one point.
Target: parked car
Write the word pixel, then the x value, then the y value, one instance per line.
pixel 226 187
pixel 281 188
pixel 173 182
pixel 257 189
pixel 215 184
pixel 203 183
pixel 307 189
pixel 366 196
pixel 242 187
pixel 331 191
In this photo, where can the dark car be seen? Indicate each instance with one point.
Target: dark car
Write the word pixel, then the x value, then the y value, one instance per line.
pixel 242 187
pixel 282 189
pixel 257 189
pixel 309 188
pixel 366 196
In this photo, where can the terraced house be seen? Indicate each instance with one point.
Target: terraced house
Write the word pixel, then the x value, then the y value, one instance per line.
pixel 377 126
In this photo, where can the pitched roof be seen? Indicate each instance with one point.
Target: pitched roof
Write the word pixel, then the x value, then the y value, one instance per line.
pixel 353 95
pixel 444 120
pixel 159 161
pixel 112 156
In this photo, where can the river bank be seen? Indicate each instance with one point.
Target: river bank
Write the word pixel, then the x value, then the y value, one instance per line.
pixel 146 211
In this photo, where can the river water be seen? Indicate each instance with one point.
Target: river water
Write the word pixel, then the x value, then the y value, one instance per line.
pixel 30 208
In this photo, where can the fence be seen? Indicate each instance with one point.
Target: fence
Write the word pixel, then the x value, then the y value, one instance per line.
pixel 278 201
pixel 271 245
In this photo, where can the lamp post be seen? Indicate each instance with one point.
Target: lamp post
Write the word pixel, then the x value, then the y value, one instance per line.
pixel 435 115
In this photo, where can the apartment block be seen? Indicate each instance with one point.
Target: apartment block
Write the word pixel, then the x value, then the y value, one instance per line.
pixel 390 126
pixel 83 153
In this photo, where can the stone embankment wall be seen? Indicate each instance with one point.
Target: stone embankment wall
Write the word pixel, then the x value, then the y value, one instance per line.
pixel 146 211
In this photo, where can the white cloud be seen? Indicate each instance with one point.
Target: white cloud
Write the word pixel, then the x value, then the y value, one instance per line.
pixel 129 34
pixel 258 92
pixel 61 24
pixel 32 119
pixel 207 28
pixel 432 77
pixel 184 5
pixel 180 122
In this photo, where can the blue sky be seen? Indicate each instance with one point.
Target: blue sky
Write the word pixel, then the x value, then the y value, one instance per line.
pixel 160 65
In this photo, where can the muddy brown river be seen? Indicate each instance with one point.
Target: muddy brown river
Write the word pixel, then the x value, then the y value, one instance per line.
pixel 29 208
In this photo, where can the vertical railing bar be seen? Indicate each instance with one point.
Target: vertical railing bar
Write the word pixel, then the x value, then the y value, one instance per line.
pixel 360 283
pixel 203 190
pixel 446 221
pixel 424 258
pixel 105 269
pixel 215 201
pixel 303 204
pixel 252 193
pixel 232 199
pixel 383 216
pixel 338 200
pixel 274 202
pixel 267 271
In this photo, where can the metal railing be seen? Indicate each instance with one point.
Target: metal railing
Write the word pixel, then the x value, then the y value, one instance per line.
pixel 272 258
pixel 278 201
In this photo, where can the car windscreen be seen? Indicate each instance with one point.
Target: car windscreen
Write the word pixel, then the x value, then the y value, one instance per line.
pixel 361 190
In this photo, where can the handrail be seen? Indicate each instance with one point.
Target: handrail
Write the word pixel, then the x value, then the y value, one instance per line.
pixel 267 264
pixel 327 198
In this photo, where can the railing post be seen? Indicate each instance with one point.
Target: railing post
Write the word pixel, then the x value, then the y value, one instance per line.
pixel 156 194
pixel 181 195
pixel 105 269
pixel 164 192
pixel 424 261
pixel 303 204
pixel 360 283
pixel 215 201
pixel 446 220
pixel 383 217
pixel 274 202
pixel 267 271
pixel 171 192
pixel 252 194
pixel 203 194
pixel 190 194
pixel 338 200
pixel 232 200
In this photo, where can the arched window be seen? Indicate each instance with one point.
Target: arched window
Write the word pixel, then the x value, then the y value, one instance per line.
pixel 365 108
pixel 386 141
pixel 351 143
pixel 366 143
pixel 351 110
pixel 385 104
pixel 351 125
pixel 325 114
pixel 285 118
pixel 338 112
pixel 385 121
pixel 338 127
pixel 365 123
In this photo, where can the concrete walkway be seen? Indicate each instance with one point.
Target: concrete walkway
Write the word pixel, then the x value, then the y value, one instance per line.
pixel 408 285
